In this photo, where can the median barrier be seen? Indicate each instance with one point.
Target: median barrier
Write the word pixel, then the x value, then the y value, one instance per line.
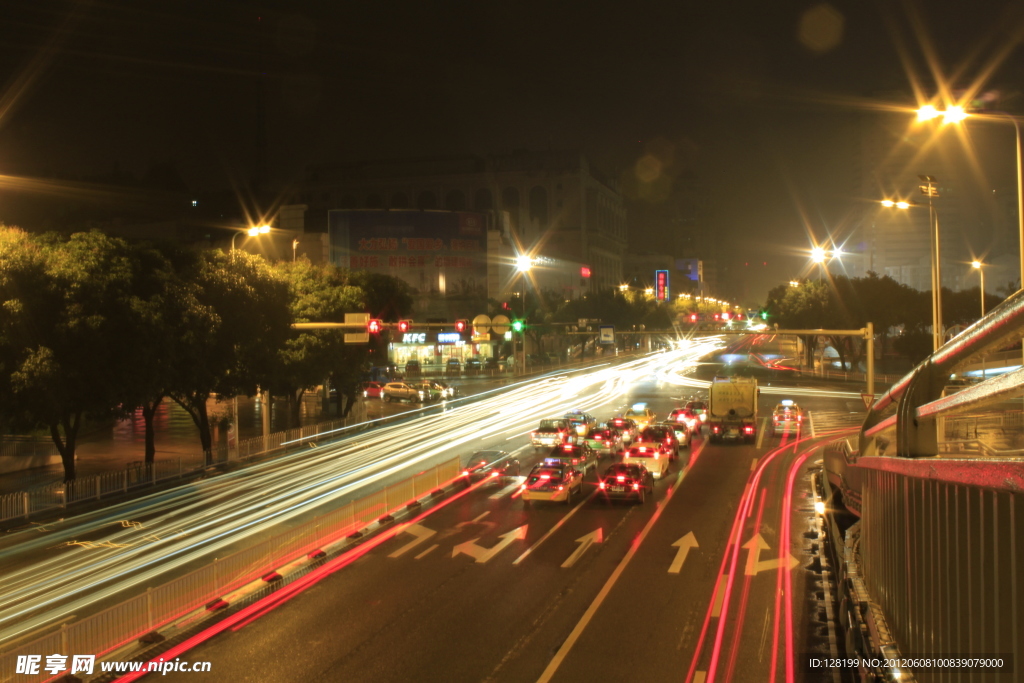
pixel 210 585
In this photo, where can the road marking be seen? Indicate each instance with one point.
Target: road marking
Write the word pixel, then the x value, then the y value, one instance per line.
pixel 485 554
pixel 433 547
pixel 684 544
pixel 700 676
pixel 516 436
pixel 567 645
pixel 753 465
pixel 716 609
pixel 421 533
pixel 761 432
pixel 811 420
pixel 479 517
pixel 754 547
pixel 553 529
pixel 478 520
pixel 595 536
pixel 509 489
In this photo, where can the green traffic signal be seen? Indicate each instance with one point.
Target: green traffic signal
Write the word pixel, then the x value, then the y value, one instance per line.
pixel 518 325
pixel 764 315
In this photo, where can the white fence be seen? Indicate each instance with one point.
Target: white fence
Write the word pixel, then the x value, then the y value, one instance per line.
pixel 61 494
pixel 116 626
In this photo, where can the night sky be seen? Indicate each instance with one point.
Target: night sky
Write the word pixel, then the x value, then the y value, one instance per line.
pixel 726 91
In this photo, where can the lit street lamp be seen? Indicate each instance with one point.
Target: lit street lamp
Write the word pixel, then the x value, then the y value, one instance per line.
pixel 254 231
pixel 981 271
pixel 933 234
pixel 958 115
pixel 523 265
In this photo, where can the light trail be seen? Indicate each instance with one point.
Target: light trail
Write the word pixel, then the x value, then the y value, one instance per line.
pixel 173 531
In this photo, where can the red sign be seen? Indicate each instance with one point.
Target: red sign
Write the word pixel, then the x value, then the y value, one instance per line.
pixel 661 285
pixel 584 271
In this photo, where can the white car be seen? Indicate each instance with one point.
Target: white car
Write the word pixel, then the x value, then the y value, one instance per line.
pixel 650 456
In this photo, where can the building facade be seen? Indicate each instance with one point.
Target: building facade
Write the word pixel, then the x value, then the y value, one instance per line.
pixel 554 204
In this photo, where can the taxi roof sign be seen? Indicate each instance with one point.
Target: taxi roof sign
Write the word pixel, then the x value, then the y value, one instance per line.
pixel 638 406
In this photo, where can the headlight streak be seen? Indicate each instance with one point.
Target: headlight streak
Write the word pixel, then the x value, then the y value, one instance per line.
pixel 203 518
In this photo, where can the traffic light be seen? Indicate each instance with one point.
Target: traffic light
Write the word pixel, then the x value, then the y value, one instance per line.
pixel 461 326
pixel 764 314
pixel 404 326
pixel 374 325
pixel 518 325
pixel 693 317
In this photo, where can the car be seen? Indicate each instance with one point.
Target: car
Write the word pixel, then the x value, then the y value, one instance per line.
pixel 474 364
pixel 625 427
pixel 372 389
pixel 640 414
pixel 628 481
pixel 491 363
pixel 648 454
pixel 453 366
pixel 413 367
pixel 497 465
pixel 700 408
pixel 576 453
pixel 550 433
pixel 430 390
pixel 682 433
pixel 664 436
pixel 401 391
pixel 604 440
pixel 581 421
pixel 787 417
pixel 687 417
pixel 555 482
pixel 447 391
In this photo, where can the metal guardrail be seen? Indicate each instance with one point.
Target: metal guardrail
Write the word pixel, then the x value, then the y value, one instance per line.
pixel 935 565
pixel 60 495
pixel 160 605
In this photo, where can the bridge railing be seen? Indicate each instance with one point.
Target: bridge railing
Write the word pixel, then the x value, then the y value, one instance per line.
pixel 935 563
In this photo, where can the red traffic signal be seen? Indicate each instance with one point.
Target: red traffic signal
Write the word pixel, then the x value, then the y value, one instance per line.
pixel 374 325
pixel 461 326
pixel 693 317
pixel 404 326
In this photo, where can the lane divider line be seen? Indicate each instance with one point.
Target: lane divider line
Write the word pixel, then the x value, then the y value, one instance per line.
pixel 563 651
pixel 761 432
pixel 425 552
pixel 555 528
pixel 716 608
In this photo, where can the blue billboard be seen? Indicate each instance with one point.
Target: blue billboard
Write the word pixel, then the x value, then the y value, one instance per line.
pixel 444 252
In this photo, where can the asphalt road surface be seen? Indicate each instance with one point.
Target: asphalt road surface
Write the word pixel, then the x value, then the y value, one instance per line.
pixel 712 578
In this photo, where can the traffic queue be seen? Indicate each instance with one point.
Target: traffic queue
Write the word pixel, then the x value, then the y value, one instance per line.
pixel 642 447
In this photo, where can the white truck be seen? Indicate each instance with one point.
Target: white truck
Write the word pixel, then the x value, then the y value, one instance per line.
pixel 732 409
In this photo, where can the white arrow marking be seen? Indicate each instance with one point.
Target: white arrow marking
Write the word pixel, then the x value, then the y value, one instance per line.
pixel 484 554
pixel 595 536
pixel 516 483
pixel 700 676
pixel 426 552
pixel 684 544
pixel 421 533
pixel 754 566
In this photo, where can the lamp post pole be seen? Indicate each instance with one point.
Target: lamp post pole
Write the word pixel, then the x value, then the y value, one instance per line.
pixel 981 271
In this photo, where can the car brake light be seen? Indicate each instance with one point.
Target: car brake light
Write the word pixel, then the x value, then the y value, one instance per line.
pixel 561 488
pixel 545 476
pixel 642 449
pixel 598 437
pixel 655 456
pixel 600 485
pixel 620 478
pixel 567 447
pixel 799 418
pixel 494 474
pixel 636 486
pixel 465 473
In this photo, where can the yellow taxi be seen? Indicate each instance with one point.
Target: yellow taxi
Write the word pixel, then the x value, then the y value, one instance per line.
pixel 552 481
pixel 640 414
pixel 787 418
pixel 650 455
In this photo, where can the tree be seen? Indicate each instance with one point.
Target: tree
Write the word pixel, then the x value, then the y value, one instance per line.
pixel 228 339
pixel 66 307
pixel 320 293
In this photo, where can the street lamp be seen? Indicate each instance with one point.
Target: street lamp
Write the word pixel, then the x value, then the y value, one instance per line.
pixel 936 267
pixel 818 255
pixel 523 265
pixel 981 271
pixel 254 231
pixel 957 115
pixel 794 283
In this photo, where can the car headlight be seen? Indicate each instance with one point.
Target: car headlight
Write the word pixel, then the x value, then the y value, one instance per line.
pixel 421 394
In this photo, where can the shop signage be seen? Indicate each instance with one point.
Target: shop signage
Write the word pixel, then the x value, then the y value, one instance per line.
pixel 448 337
pixel 414 338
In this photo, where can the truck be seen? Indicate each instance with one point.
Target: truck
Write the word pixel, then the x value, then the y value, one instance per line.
pixel 732 409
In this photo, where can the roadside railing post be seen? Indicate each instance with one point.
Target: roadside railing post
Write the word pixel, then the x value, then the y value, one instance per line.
pixel 99 481
pixel 25 503
pixel 149 607
pixel 124 480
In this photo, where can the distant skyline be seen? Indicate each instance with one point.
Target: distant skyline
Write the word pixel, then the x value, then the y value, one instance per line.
pixel 757 101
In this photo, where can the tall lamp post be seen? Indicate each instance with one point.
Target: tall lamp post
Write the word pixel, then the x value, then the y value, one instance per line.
pixel 254 231
pixel 933 234
pixel 523 265
pixel 958 115
pixel 818 255
pixel 981 271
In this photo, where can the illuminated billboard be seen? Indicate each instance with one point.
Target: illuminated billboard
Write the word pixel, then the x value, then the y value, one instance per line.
pixel 443 252
pixel 661 285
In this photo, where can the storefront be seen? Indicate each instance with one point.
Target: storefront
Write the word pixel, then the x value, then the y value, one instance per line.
pixel 435 348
